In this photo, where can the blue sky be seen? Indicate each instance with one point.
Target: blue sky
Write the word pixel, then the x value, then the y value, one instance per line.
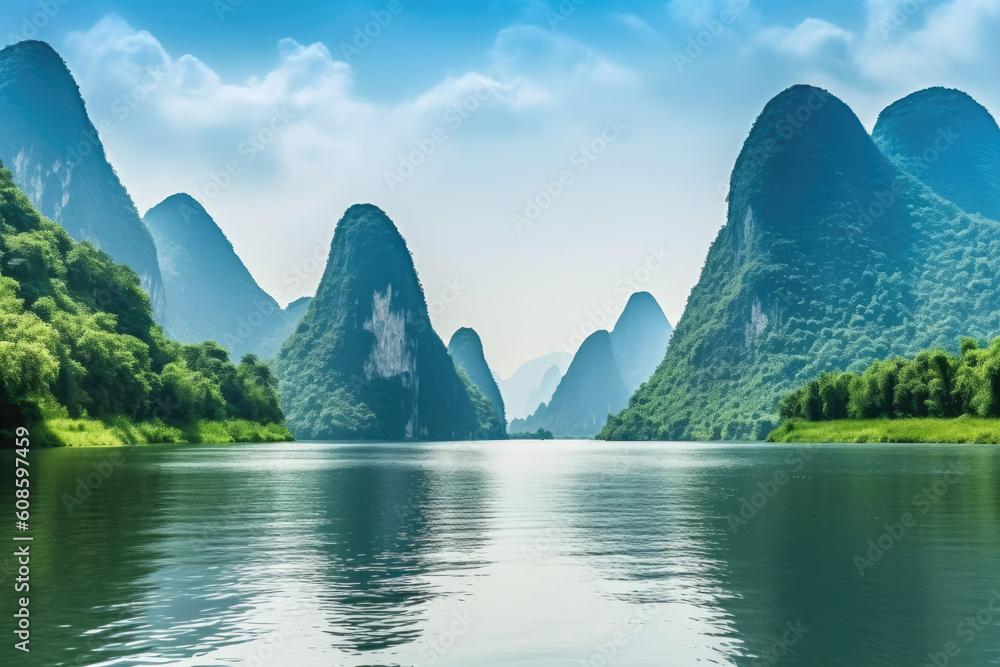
pixel 542 159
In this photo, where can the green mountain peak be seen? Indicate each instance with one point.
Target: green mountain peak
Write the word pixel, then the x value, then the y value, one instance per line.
pixel 364 362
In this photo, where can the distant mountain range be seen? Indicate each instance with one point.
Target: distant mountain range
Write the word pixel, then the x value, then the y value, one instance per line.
pixel 364 363
pixel 591 390
pixel 840 249
pixel 51 146
pixel 533 383
pixel 605 372
pixel 210 293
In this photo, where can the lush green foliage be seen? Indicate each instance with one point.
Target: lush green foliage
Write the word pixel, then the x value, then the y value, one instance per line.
pixel 802 280
pixel 77 336
pixel 540 434
pixel 59 161
pixel 962 429
pixel 934 384
pixel 121 431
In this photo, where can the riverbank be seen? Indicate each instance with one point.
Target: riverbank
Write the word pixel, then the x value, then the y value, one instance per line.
pixel 121 432
pixel 969 430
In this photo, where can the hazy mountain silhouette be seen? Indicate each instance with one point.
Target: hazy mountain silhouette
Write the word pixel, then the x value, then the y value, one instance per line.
pixel 210 293
pixel 591 390
pixel 640 339
pixel 525 389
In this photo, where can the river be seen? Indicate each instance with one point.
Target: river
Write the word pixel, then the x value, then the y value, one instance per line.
pixel 511 553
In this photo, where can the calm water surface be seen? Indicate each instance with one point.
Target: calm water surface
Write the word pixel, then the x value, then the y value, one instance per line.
pixel 567 553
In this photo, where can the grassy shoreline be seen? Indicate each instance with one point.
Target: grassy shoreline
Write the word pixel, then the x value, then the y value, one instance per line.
pixel 961 430
pixel 121 432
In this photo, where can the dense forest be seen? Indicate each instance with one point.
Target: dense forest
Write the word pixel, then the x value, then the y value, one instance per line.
pixel 78 340
pixel 838 252
pixel 935 383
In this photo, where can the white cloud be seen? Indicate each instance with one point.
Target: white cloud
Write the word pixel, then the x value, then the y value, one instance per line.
pixel 904 44
pixel 530 67
pixel 811 38
pixel 544 55
pixel 116 53
pixel 635 24
pixel 907 45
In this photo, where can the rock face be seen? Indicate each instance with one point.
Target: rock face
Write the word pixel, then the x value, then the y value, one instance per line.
pixel 591 390
pixel 364 363
pixel 466 349
pixel 210 293
pixel 532 384
pixel 640 339
pixel 50 145
pixel 834 254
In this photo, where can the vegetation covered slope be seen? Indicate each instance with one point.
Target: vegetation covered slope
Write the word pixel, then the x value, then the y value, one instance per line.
pixel 293 313
pixel 466 349
pixel 57 159
pixel 591 390
pixel 919 132
pixel 640 339
pixel 832 258
pixel 77 339
pixel 364 362
pixel 210 293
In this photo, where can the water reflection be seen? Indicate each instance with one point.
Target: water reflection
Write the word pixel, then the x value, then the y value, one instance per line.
pixel 93 521
pixel 513 553
pixel 390 520
pixel 794 562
